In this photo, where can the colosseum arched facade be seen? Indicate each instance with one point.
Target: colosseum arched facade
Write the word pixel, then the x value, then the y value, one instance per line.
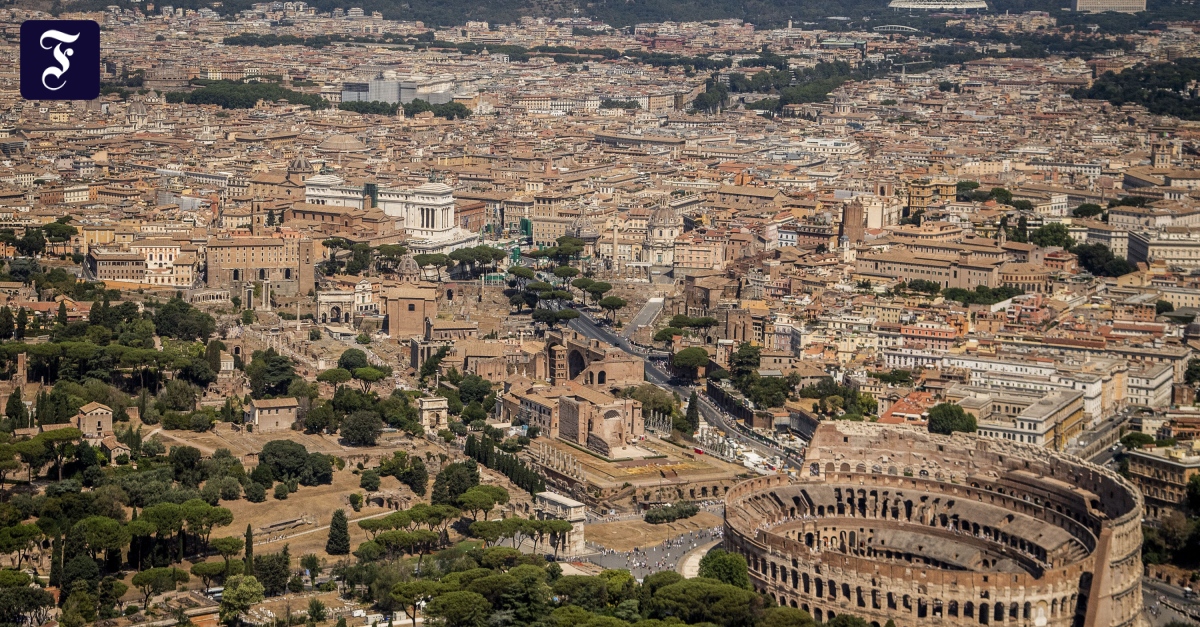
pixel 895 523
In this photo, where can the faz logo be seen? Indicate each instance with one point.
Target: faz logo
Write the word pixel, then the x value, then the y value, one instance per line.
pixel 60 60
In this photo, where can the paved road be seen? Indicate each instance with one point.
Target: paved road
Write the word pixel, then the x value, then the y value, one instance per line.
pixel 708 410
pixel 665 556
pixel 1159 614
pixel 644 317
pixel 689 566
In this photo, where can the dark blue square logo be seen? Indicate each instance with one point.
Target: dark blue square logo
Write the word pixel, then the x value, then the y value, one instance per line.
pixel 60 60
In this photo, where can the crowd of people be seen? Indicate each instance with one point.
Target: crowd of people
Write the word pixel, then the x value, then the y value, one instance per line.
pixel 642 562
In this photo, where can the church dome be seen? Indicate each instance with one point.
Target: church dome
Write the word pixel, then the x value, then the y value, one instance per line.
pixel 664 217
pixel 300 165
pixel 582 228
pixel 408 267
pixel 341 143
pixel 137 107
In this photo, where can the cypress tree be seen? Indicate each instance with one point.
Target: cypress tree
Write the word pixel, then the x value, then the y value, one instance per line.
pixel 339 534
pixel 249 550
pixel 693 413
pixel 15 409
pixel 56 563
pixel 6 322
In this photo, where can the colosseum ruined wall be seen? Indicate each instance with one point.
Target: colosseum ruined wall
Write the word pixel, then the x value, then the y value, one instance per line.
pixel 891 522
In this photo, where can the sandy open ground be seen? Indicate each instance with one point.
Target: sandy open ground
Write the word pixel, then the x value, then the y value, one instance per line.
pixel 627 535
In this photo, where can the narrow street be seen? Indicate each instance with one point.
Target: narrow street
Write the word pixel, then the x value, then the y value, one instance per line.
pixel 711 414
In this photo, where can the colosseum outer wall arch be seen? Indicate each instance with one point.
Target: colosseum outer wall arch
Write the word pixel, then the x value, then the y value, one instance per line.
pixel 895 523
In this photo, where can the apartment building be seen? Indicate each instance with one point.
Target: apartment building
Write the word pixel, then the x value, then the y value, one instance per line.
pixel 1176 246
pixel 286 263
pixel 1150 386
pixel 1162 473
pixel 945 270
pixel 1050 419
pixel 114 265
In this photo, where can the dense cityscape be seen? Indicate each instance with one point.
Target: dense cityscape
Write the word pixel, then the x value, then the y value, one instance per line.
pixel 502 314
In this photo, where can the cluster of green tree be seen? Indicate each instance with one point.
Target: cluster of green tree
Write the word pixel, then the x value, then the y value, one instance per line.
pixel 895 377
pixel 374 107
pixel 765 58
pixel 409 470
pixel 565 250
pixel 471 399
pixel 290 464
pixel 661 59
pixel 473 587
pixel 270 40
pixel 713 98
pixel 609 103
pixel 981 295
pixel 1095 258
pixel 920 285
pixel 765 81
pixel 357 413
pixel 1191 375
pixel 517 530
pixel 449 110
pixel 1176 539
pixel 33 241
pixel 607 53
pixel 111 356
pixel 1100 261
pixel 946 418
pixel 28 271
pixel 526 290
pixel 1137 439
pixel 681 321
pixel 83 518
pixel 690 360
pixel 426 41
pixel 270 374
pixel 1041 45
pixel 474 260
pixel 969 190
pixel 843 402
pixel 482 499
pixel 1128 201
pixel 814 83
pixel 671 513
pixel 174 318
pixel 762 391
pixel 1089 210
pixel 383 259
pixel 484 451
pixel 241 95
pixel 1160 87
pixel 416 530
pixel 453 481
pixel 656 400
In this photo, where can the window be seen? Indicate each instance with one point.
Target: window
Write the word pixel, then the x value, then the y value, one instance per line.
pixel 412 307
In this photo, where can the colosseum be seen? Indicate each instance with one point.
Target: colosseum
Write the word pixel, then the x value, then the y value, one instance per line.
pixel 895 523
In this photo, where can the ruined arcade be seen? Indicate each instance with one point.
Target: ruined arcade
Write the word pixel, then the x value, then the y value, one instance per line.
pixel 895 523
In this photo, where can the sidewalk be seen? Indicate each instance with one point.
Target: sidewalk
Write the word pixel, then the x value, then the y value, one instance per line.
pixel 689 566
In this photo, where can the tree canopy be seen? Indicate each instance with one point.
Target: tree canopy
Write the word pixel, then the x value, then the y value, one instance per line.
pixel 946 418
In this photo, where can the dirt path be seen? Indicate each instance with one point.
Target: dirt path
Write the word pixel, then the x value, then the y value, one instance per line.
pixel 283 538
